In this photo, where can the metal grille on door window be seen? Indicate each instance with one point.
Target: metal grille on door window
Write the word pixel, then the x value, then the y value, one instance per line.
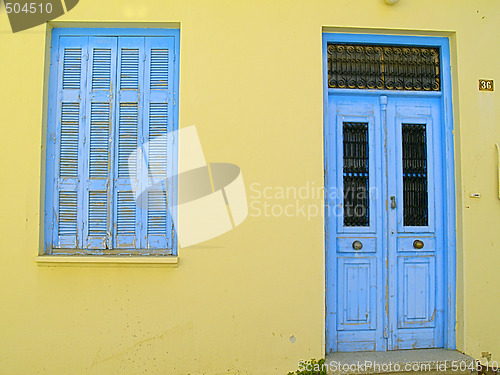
pixel 356 209
pixel 382 67
pixel 415 209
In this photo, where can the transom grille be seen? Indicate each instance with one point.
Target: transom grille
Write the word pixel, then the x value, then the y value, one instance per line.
pixel 381 67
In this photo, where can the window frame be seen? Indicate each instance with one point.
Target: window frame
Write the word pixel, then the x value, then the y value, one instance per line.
pixel 50 164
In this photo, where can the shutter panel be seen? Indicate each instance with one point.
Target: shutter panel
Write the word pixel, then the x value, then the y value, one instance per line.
pixel 97 199
pixel 68 141
pixel 128 134
pixel 158 110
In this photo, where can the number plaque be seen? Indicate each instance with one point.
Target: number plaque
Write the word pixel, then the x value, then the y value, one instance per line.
pixel 485 85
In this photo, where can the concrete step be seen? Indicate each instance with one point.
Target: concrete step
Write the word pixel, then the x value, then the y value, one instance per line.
pixel 401 362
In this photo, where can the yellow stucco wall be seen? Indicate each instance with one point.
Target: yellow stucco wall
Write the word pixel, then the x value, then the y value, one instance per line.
pixel 251 81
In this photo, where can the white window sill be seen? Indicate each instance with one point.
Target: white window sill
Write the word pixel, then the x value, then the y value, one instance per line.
pixel 75 260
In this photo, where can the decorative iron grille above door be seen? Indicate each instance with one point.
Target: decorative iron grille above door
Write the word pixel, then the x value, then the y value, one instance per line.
pixel 383 67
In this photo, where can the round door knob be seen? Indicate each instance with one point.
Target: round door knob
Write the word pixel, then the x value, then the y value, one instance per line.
pixel 417 244
pixel 357 245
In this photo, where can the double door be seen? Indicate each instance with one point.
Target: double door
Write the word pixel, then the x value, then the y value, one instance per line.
pixel 385 268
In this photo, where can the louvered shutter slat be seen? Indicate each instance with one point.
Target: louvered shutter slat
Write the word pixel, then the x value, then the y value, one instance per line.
pixel 129 68
pixel 98 148
pixel 126 215
pixel 68 223
pixel 99 140
pixel 72 68
pixel 68 141
pixel 128 133
pixel 98 212
pixel 159 114
pixel 102 62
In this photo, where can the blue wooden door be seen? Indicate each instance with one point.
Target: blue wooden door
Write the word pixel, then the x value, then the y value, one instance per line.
pixel 385 264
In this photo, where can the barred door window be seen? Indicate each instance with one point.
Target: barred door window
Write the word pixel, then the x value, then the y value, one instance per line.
pixel 356 174
pixel 415 200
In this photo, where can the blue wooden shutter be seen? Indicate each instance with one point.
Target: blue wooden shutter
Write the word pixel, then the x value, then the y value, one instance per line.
pixel 158 121
pixel 68 218
pixel 128 134
pixel 98 156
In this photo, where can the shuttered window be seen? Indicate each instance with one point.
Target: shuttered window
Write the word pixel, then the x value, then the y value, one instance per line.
pixel 108 95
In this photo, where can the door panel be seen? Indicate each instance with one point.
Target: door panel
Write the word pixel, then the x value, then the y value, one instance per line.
pixel 358 299
pixel 417 291
pixel 355 215
pixel 384 279
pixel 415 297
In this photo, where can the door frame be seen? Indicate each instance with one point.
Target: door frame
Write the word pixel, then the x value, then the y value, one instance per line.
pixel 448 173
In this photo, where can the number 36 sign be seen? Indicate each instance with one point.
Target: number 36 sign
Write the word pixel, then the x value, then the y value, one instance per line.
pixel 485 85
pixel 25 14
